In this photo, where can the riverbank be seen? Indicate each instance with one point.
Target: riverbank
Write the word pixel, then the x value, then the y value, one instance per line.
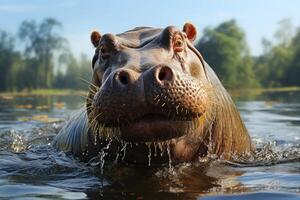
pixel 45 92
pixel 260 90
pixel 66 92
pixel 252 93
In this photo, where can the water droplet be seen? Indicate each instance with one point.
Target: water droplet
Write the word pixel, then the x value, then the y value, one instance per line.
pixel 155 149
pixel 95 139
pixel 162 148
pixel 149 153
pixel 169 154
pixel 117 158
pixel 124 150
pixel 100 159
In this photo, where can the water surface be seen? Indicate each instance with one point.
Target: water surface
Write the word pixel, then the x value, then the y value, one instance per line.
pixel 31 169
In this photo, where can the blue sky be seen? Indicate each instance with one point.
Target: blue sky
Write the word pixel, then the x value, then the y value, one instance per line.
pixel 259 18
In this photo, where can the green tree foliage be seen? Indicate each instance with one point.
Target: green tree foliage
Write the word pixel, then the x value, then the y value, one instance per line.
pixel 10 63
pixel 226 50
pixel 6 58
pixel 34 67
pixel 78 72
pixel 41 42
pixel 293 72
pixel 273 68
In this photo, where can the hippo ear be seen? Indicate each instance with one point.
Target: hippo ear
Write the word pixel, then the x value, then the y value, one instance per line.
pixel 95 38
pixel 190 31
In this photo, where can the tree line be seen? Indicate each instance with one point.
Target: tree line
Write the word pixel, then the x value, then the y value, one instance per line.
pixel 46 61
pixel 225 48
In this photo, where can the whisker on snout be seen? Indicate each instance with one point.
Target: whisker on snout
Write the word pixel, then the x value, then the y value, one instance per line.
pixel 89 83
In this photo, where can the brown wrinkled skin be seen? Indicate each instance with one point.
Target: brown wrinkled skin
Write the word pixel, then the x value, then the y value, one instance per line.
pixel 152 85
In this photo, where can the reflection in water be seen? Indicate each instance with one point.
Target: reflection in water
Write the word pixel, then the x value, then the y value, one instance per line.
pixel 30 167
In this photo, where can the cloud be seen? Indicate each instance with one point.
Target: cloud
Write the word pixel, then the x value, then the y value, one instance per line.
pixel 68 3
pixel 17 8
pixel 21 8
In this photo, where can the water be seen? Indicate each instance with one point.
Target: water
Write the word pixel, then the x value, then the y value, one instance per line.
pixel 31 169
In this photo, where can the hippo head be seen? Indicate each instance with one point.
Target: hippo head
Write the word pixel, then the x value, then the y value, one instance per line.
pixel 148 84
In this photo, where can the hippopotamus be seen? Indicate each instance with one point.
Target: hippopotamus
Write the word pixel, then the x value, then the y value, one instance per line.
pixel 152 91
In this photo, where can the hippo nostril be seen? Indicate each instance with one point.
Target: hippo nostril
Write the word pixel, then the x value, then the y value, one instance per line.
pixel 123 77
pixel 165 74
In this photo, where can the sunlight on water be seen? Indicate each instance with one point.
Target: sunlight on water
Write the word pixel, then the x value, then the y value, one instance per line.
pixel 30 167
pixel 17 142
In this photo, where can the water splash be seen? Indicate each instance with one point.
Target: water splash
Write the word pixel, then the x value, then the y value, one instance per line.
pixel 268 154
pixel 100 159
pixel 18 144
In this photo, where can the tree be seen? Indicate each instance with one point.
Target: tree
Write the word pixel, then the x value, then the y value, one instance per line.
pixel 273 66
pixel 41 42
pixel 285 32
pixel 10 63
pixel 6 51
pixel 293 71
pixel 226 50
pixel 77 72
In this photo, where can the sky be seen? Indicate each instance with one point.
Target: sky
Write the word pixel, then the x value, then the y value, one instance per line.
pixel 258 18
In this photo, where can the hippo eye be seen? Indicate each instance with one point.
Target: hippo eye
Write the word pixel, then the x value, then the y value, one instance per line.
pixel 104 52
pixel 178 44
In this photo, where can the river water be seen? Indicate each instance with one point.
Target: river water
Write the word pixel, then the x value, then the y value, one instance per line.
pixel 31 169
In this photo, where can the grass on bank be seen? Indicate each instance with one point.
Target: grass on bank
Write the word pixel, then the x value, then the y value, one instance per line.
pixel 65 92
pixel 257 91
pixel 45 92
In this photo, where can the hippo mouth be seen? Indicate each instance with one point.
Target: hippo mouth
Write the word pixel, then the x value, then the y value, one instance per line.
pixel 156 127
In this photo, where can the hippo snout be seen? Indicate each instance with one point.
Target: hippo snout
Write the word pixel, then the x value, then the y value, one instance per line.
pixel 160 74
pixel 128 95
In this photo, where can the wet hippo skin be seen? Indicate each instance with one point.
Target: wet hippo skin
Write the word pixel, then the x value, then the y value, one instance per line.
pixel 152 91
